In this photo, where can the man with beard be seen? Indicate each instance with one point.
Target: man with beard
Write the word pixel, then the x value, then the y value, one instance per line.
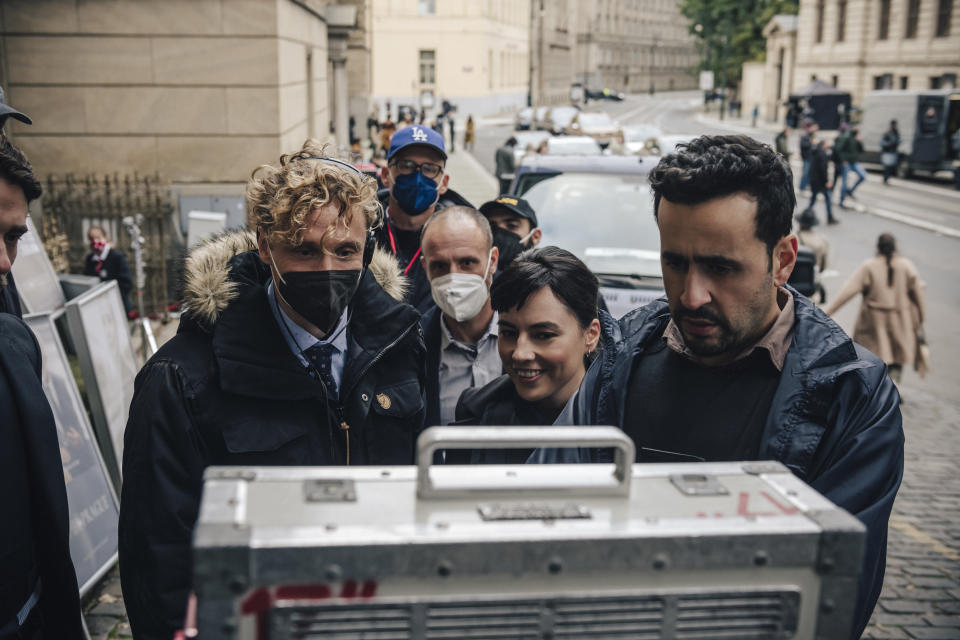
pixel 294 350
pixel 735 364
pixel 417 186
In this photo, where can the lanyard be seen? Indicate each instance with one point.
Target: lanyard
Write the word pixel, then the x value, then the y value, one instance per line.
pixel 393 246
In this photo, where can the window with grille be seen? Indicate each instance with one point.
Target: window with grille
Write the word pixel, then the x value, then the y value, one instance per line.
pixel 944 14
pixel 884 31
pixel 820 10
pixel 913 17
pixel 428 66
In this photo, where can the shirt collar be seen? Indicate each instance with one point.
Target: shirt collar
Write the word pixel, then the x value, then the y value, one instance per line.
pixel 446 339
pixel 103 254
pixel 298 338
pixel 776 341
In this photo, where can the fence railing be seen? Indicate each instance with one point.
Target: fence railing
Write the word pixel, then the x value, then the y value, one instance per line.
pixel 71 205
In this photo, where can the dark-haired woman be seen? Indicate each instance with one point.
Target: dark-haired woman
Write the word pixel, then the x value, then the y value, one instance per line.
pixel 893 305
pixel 549 325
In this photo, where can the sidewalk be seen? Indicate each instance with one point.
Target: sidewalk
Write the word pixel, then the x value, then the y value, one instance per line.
pixel 470 179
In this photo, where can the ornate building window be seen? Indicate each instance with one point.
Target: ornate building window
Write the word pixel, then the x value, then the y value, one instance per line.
pixel 884 31
pixel 820 10
pixel 944 13
pixel 841 20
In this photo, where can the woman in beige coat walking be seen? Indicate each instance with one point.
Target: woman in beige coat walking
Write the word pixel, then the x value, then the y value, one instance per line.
pixel 893 305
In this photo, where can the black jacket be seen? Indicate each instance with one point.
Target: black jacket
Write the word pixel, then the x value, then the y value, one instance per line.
pixel 835 419
pixel 35 539
pixel 430 325
pixel 115 267
pixel 10 299
pixel 494 404
pixel 819 169
pixel 227 390
pixel 418 295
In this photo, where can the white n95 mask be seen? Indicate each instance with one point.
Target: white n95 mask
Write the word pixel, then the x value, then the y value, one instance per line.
pixel 461 295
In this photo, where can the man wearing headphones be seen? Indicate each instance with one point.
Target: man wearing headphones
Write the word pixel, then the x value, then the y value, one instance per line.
pixel 294 350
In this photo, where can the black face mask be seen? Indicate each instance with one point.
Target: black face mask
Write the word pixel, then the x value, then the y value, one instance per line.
pixel 508 244
pixel 319 296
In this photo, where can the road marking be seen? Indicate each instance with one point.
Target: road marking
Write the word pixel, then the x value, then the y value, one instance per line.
pixel 915 222
pixel 911 531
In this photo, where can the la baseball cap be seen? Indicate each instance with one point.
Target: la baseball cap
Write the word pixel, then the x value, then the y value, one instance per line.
pixel 6 111
pixel 416 134
pixel 516 205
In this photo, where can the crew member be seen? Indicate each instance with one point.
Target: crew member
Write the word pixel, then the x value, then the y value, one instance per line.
pixel 417 185
pixel 460 332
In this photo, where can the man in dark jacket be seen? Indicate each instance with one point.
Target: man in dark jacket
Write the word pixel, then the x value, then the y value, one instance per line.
pixel 506 164
pixel 294 350
pixel 39 597
pixel 807 142
pixel 735 365
pixel 108 263
pixel 849 147
pixel 820 180
pixel 889 150
pixel 417 186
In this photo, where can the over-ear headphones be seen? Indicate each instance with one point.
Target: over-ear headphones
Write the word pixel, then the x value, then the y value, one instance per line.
pixel 371 244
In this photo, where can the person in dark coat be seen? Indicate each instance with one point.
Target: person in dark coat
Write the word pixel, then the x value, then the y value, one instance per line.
pixel 108 263
pixel 820 182
pixel 549 328
pixel 294 350
pixel 39 598
pixel 735 364
pixel 417 185
pixel 890 150
pixel 506 164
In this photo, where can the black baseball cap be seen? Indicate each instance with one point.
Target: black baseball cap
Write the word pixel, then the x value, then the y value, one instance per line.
pixel 6 111
pixel 513 204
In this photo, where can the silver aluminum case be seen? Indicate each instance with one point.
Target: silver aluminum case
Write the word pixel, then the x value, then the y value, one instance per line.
pixel 693 550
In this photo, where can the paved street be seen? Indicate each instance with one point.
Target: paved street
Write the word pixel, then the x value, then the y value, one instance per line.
pixel 921 597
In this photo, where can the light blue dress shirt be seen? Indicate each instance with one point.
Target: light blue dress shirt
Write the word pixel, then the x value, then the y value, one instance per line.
pixel 299 339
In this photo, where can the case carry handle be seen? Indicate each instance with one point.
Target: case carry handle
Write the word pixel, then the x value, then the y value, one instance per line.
pixel 435 438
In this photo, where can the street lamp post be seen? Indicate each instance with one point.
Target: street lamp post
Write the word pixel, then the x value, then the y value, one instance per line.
pixel 653 48
pixel 723 69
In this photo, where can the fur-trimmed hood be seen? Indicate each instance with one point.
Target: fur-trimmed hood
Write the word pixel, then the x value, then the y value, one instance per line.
pixel 209 283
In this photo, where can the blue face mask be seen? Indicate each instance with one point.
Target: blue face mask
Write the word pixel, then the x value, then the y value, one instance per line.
pixel 415 193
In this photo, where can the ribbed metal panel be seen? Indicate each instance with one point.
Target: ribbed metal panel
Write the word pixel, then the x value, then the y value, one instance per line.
pixel 747 616
pixel 483 621
pixel 351 622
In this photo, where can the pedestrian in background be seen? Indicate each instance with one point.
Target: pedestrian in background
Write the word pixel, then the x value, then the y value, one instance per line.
pixel 819 179
pixel 505 164
pixel 549 329
pixel 386 133
pixel 849 146
pixel 812 239
pixel 893 307
pixel 889 150
pixel 453 132
pixel 806 147
pixel 108 264
pixel 782 143
pixel 469 134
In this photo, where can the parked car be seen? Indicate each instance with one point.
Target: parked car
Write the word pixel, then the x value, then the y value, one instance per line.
pixel 606 220
pixel 540 118
pixel 605 94
pixel 637 139
pixel 597 125
pixel 558 119
pixel 524 119
pixel 527 139
pixel 573 145
pixel 538 167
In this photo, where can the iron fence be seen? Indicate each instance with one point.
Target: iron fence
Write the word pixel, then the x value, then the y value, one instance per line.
pixel 71 205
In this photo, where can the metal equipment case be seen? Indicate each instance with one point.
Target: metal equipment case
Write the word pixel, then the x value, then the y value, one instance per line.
pixel 692 551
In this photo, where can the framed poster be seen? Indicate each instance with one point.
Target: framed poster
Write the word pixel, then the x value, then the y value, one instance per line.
pixel 92 504
pixel 36 281
pixel 101 336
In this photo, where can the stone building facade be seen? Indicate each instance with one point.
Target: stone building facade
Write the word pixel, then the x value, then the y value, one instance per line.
pixel 779 67
pixel 474 54
pixel 553 43
pixel 197 91
pixel 862 45
pixel 635 46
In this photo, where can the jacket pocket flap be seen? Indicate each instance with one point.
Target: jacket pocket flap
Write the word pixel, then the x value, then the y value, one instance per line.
pixel 399 400
pixel 250 436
